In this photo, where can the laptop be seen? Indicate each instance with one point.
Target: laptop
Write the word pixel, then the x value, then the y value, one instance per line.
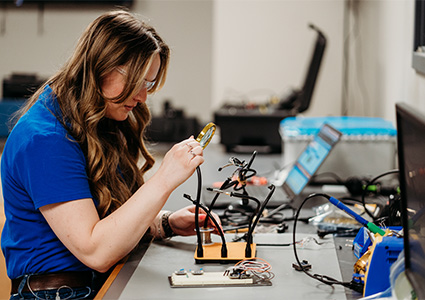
pixel 298 177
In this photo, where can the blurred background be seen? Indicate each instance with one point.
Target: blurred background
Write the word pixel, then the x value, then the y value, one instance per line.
pixel 229 50
pixel 247 52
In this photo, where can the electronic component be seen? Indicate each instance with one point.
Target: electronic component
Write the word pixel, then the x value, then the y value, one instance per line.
pixel 207 251
pixel 207 279
pixel 198 272
pixel 246 272
pixel 180 272
pixel 305 265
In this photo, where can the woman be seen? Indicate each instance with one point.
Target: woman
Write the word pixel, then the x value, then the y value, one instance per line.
pixel 72 168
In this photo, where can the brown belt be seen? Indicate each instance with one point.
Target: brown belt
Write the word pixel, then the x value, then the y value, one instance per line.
pixel 53 281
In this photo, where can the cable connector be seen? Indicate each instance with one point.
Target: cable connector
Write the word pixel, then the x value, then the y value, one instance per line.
pixel 356 286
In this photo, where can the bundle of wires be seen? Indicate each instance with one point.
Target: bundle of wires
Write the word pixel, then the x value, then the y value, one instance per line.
pixel 258 267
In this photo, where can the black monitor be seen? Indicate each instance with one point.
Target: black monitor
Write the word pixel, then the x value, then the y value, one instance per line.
pixel 411 157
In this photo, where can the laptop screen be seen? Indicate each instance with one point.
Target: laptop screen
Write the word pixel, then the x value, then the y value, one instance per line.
pixel 311 159
pixel 411 149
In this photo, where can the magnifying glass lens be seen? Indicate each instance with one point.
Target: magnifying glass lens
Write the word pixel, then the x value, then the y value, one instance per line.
pixel 206 138
pixel 206 135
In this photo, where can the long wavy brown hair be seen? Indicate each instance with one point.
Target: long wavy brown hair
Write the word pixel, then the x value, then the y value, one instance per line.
pixel 116 154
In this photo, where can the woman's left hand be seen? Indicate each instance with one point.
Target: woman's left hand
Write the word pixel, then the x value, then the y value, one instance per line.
pixel 182 222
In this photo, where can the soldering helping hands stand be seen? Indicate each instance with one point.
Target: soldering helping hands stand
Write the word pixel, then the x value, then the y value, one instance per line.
pixel 235 251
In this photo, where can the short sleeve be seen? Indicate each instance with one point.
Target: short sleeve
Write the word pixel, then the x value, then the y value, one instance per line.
pixel 53 169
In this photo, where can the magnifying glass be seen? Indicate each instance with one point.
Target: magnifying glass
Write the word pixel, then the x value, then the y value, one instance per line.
pixel 206 135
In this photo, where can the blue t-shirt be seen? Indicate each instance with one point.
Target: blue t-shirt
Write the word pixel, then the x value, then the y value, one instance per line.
pixel 40 165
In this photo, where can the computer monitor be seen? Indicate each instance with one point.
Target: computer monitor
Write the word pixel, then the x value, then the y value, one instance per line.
pixel 411 157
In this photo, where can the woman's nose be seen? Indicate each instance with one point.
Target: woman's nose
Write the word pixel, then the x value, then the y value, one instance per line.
pixel 142 95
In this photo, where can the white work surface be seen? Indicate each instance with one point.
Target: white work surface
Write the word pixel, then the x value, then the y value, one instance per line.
pixel 150 277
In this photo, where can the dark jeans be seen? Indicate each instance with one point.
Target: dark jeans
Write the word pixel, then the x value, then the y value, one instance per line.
pixel 64 292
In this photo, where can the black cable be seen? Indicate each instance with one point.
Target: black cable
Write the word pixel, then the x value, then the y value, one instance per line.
pixel 241 186
pixel 322 278
pixel 220 231
pixel 251 160
pixel 247 197
pixel 338 232
pixel 197 202
pixel 200 250
pixel 235 228
pixel 251 229
pixel 236 217
pixel 277 218
pixel 274 245
pixel 395 171
pixel 333 175
pixel 347 199
pixel 243 173
pixel 304 220
pixel 237 184
pixel 222 187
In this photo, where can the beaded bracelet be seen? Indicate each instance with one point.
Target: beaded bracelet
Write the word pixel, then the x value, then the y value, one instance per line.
pixel 168 231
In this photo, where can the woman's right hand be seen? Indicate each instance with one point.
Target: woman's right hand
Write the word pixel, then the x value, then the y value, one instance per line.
pixel 180 162
pixel 182 221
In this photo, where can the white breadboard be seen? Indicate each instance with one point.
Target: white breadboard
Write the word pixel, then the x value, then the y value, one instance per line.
pixel 206 279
